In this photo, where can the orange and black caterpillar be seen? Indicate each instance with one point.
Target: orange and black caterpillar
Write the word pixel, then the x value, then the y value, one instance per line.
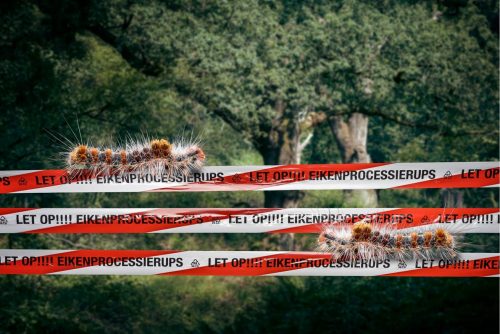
pixel 156 156
pixel 371 241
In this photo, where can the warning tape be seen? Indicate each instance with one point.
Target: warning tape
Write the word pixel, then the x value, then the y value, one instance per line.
pixel 286 177
pixel 234 263
pixel 249 220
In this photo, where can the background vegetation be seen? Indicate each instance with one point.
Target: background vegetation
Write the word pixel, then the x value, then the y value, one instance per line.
pixel 260 82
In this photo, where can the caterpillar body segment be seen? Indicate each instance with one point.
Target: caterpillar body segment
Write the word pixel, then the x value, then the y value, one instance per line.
pixel 364 240
pixel 156 157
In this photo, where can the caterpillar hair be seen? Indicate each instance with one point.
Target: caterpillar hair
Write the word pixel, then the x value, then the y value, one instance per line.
pixel 365 240
pixel 145 156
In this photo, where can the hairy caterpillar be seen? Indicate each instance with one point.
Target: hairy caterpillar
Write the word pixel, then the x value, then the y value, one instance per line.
pixel 378 241
pixel 146 156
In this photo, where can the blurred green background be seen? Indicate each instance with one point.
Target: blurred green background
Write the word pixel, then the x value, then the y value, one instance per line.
pixel 258 82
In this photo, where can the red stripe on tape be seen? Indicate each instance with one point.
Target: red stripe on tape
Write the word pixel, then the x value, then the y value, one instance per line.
pixel 8 211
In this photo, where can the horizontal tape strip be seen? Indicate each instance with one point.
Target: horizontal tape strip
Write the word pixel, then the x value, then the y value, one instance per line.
pixel 287 177
pixel 234 263
pixel 249 220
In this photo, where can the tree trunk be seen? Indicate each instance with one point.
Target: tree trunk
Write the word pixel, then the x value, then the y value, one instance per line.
pixel 351 137
pixel 282 147
pixel 452 198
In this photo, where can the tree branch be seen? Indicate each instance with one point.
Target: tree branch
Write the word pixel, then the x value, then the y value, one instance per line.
pixel 425 126
pixel 305 142
pixel 141 63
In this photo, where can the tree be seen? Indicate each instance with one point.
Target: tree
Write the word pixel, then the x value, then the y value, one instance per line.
pixel 430 94
pixel 273 71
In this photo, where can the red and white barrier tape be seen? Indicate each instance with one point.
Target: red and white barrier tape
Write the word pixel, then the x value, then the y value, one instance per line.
pixel 222 220
pixel 287 177
pixel 234 263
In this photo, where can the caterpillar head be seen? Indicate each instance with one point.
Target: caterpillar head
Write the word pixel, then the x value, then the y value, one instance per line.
pixel 191 158
pixel 200 154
